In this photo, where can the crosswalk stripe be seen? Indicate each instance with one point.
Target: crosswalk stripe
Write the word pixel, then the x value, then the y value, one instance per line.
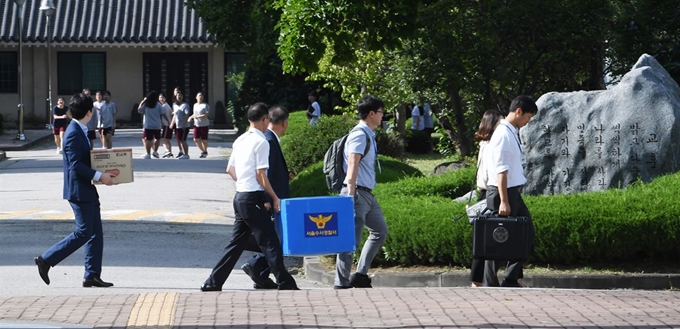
pixel 16 213
pixel 134 215
pixel 195 218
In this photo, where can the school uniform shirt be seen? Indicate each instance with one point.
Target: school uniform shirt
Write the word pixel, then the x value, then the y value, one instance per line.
pixel 482 164
pixel 152 116
pixel 168 112
pixel 106 112
pixel 416 114
pixel 181 115
pixel 59 112
pixel 317 113
pixel 250 152
pixel 505 154
pixel 200 109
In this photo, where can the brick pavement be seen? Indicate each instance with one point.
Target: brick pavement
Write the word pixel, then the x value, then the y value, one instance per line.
pixel 359 308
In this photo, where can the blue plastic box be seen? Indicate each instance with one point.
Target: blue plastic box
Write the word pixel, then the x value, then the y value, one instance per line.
pixel 316 225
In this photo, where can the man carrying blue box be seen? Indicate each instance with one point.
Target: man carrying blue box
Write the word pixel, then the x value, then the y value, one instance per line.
pixel 256 267
pixel 248 166
pixel 359 183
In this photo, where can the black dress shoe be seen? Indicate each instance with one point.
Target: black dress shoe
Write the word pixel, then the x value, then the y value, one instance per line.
pixel 260 283
pixel 293 287
pixel 209 287
pixel 342 287
pixel 270 285
pixel 43 268
pixel 96 282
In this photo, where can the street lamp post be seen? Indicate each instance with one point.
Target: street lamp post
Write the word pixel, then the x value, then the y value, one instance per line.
pixel 47 7
pixel 20 133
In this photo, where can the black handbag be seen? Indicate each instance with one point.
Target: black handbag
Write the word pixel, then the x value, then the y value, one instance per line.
pixel 501 238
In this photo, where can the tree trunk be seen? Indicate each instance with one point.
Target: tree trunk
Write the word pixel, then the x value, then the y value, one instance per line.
pixel 464 145
pixel 400 120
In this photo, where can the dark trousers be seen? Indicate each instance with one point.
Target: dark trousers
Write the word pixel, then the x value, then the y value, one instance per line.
pixel 259 261
pixel 513 272
pixel 88 232
pixel 251 219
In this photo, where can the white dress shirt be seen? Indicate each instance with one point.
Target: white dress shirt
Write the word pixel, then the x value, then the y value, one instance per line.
pixel 249 153
pixel 505 154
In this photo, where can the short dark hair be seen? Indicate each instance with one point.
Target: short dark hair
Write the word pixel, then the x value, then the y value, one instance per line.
pixel 278 114
pixel 79 105
pixel 488 125
pixel 107 93
pixel 313 93
pixel 367 104
pixel 524 102
pixel 257 111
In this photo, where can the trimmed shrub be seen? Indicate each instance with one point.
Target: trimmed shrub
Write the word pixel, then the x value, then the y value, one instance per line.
pixel 632 225
pixel 308 144
pixel 390 144
pixel 296 122
pixel 304 144
pixel 418 142
pixel 312 182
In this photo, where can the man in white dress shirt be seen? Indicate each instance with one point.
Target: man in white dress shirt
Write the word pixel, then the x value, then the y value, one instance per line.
pixel 505 180
pixel 248 166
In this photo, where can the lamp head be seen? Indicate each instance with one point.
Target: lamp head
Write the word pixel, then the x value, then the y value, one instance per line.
pixel 47 7
pixel 19 2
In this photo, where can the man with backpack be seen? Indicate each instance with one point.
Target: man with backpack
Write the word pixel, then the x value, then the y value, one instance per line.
pixel 360 157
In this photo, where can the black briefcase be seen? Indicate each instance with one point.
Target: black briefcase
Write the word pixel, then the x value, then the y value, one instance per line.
pixel 501 238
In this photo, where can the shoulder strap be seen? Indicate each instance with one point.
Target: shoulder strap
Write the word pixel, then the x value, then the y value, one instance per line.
pixel 368 139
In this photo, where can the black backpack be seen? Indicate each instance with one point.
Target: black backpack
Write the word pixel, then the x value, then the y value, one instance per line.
pixel 334 159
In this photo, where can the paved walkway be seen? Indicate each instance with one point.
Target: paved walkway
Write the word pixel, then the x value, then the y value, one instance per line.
pixel 356 308
pixel 389 305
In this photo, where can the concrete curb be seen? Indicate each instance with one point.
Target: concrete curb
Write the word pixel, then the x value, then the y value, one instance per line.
pixel 23 145
pixel 317 272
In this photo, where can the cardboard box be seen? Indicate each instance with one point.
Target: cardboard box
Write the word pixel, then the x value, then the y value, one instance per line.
pixel 114 160
pixel 316 225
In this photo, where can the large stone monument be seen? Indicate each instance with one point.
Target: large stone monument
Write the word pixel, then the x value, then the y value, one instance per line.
pixel 596 140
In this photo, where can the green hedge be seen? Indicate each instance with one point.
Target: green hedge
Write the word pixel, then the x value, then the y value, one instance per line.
pixel 312 182
pixel 636 224
pixel 307 144
pixel 304 144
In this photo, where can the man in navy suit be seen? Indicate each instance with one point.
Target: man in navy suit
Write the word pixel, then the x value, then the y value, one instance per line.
pixel 83 198
pixel 256 267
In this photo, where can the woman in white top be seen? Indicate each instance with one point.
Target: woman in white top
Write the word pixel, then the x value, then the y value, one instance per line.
pixel 487 126
pixel 201 123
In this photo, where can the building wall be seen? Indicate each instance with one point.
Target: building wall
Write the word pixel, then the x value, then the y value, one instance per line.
pixel 124 78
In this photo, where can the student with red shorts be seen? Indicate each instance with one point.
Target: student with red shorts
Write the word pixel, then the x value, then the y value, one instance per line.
pixel 201 123
pixel 153 112
pixel 61 114
pixel 180 125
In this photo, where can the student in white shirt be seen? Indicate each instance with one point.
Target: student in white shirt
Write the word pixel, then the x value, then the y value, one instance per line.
pixel 505 180
pixel 314 112
pixel 248 166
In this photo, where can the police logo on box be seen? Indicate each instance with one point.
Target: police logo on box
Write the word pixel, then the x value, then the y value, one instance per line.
pixel 321 224
pixel 500 234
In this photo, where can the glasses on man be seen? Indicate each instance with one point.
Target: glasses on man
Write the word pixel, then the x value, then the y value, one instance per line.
pixel 379 111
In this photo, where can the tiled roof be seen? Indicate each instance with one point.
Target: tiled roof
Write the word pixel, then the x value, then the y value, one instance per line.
pixel 106 22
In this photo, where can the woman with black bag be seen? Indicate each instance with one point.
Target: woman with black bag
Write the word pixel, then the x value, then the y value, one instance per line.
pixel 486 128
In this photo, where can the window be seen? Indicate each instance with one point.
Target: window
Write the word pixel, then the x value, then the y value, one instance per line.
pixel 76 71
pixel 9 72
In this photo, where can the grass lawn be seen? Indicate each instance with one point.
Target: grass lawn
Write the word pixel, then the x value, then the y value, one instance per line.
pixel 427 162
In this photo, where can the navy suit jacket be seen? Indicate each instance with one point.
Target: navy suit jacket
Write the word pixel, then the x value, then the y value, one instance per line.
pixel 278 170
pixel 78 172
